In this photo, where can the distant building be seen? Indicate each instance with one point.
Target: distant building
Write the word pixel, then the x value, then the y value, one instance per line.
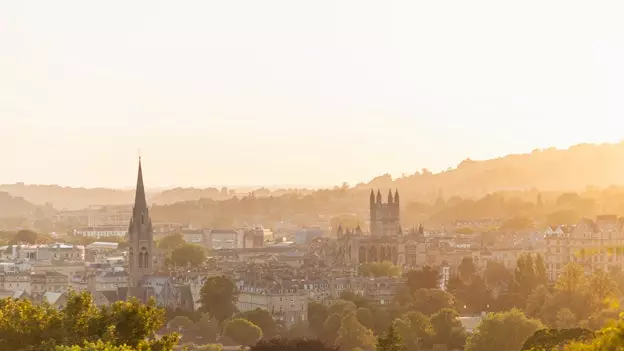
pixel 101 231
pixel 306 235
pixel 194 236
pixel 593 244
pixel 256 236
pixel 386 242
pixel 226 239
pixel 285 301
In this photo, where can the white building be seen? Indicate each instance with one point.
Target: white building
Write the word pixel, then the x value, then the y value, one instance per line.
pixel 285 301
pixel 593 244
pixel 226 239
pixel 102 231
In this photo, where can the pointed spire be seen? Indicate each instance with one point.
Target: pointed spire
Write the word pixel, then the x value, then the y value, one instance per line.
pixel 372 197
pixel 378 196
pixel 358 230
pixel 140 203
pixel 396 196
pixel 390 198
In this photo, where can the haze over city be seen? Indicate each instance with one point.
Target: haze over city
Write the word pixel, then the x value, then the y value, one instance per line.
pixel 291 93
pixel 329 175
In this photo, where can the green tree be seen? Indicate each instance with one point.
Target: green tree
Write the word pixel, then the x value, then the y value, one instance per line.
pixel 390 341
pixel 188 255
pixel 415 330
pixel 341 307
pixel 379 269
pixel 292 344
pixel 210 347
pixel 429 301
pixel 218 297
pixel 207 327
pixel 447 329
pixel 516 224
pixel 242 331
pixel 95 346
pixel 554 339
pixel 27 237
pixel 525 275
pixel 504 331
pixel 171 242
pixel 540 270
pixel 353 334
pixel 365 316
pixel 572 278
pixel 181 322
pixel 566 319
pixel 263 319
pixel 601 286
pixel 298 330
pixel 331 326
pixel 317 314
pixel 497 276
pixel 467 269
pixel 425 278
pixel 358 300
pixel 536 301
pixel 24 326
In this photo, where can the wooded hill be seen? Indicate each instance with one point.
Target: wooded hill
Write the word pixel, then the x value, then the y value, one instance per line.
pixel 572 169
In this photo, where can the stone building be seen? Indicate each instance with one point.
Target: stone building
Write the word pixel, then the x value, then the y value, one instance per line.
pixel 386 241
pixel 593 244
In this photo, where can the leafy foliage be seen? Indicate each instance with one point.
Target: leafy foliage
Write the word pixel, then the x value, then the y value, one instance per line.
pixel 292 344
pixel 263 320
pixel 447 329
pixel 188 255
pixel 171 242
pixel 218 297
pixel 379 269
pixel 550 339
pixel 502 331
pixel 390 341
pixel 80 324
pixel 353 334
pixel 242 331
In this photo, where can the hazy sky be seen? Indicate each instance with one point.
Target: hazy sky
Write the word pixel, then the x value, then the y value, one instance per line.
pixel 298 92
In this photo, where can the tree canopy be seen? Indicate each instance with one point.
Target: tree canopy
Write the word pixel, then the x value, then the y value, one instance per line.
pixel 504 331
pixel 81 325
pixel 188 255
pixel 218 297
pixel 242 331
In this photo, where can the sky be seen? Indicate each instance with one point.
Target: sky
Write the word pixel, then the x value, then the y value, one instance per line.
pixel 302 93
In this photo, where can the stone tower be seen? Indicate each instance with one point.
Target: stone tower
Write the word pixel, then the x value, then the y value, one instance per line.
pixel 384 217
pixel 140 237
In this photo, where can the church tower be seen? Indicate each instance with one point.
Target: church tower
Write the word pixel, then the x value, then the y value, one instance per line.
pixel 140 236
pixel 385 217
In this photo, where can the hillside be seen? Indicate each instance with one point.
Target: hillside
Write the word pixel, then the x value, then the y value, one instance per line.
pixel 551 169
pixel 11 206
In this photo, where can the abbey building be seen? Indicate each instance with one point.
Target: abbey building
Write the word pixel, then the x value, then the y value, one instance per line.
pixel 386 240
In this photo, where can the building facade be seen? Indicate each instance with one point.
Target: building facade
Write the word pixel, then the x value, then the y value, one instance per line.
pixel 595 244
pixel 386 241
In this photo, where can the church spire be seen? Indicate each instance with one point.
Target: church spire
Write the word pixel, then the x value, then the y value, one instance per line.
pixel 140 203
pixel 141 236
pixel 378 196
pixel 390 198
